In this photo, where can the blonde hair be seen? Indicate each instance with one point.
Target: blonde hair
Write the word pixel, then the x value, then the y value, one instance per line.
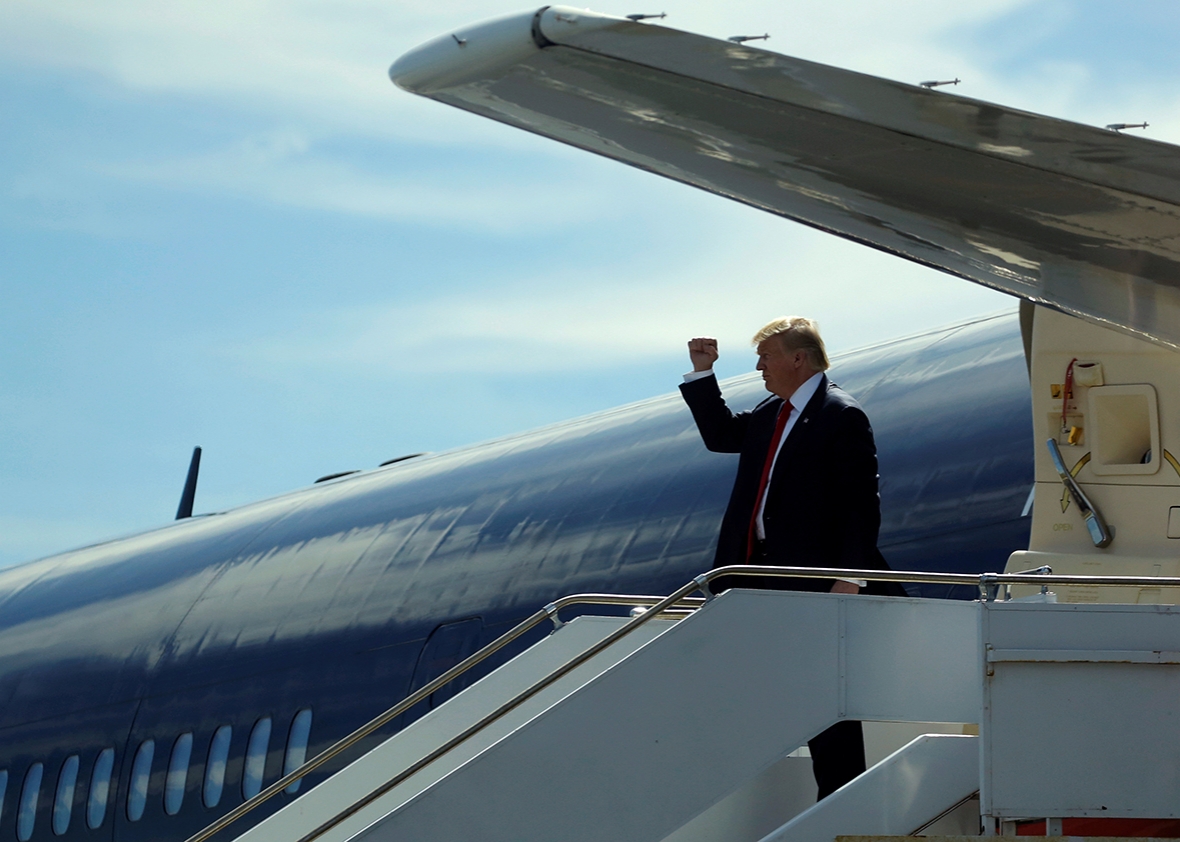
pixel 797 334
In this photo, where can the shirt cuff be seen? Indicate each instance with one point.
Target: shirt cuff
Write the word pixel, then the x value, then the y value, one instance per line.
pixel 697 375
pixel 860 583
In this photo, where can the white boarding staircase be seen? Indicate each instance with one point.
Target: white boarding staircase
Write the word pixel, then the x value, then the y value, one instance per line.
pixel 666 724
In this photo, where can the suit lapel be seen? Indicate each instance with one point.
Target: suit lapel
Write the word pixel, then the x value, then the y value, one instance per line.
pixel 802 432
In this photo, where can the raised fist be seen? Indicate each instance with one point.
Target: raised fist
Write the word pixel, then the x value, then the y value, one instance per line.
pixel 703 353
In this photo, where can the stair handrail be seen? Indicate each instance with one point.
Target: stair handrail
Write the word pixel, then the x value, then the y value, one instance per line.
pixel 549 612
pixel 989 585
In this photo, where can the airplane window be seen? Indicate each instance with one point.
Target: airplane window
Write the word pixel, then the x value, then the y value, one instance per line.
pixel 297 747
pixel 215 767
pixel 100 788
pixel 182 750
pixel 63 801
pixel 256 758
pixel 3 789
pixel 26 813
pixel 141 772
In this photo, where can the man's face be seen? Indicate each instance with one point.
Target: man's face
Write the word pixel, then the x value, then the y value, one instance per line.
pixel 783 371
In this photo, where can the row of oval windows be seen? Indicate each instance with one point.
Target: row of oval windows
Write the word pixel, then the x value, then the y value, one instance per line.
pixel 141 771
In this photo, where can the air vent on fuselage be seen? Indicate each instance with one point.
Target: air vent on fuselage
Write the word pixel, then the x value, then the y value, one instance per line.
pixel 336 476
pixel 401 459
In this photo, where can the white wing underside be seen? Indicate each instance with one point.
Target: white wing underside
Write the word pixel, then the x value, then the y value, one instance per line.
pixel 1078 218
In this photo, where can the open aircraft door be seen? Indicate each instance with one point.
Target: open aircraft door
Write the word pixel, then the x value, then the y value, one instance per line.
pixel 1106 414
pixel 448 645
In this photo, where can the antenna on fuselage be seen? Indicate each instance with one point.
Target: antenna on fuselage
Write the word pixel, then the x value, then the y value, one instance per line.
pixel 640 17
pixel 934 83
pixel 190 487
pixel 741 39
pixel 1118 127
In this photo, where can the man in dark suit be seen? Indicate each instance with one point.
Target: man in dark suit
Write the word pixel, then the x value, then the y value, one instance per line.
pixel 805 494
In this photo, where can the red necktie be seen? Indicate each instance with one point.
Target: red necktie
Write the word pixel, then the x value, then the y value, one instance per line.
pixel 784 415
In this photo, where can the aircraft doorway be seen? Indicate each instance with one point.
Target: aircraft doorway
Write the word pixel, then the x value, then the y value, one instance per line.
pixel 446 646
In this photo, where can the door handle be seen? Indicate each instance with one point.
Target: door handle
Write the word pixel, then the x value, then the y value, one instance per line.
pixel 1100 533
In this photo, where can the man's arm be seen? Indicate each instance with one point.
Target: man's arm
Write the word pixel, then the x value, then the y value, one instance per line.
pixel 721 430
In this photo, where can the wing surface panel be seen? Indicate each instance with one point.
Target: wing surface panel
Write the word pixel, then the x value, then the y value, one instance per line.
pixel 1078 218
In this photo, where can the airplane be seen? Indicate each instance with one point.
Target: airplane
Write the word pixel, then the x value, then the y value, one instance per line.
pixel 149 684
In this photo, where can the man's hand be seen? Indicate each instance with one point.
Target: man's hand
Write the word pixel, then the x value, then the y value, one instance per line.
pixel 840 586
pixel 703 353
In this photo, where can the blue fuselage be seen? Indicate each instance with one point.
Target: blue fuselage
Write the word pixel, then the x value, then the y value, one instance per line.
pixel 340 598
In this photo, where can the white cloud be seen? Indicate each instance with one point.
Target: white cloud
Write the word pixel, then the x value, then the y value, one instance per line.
pixel 322 62
pixel 581 319
pixel 284 167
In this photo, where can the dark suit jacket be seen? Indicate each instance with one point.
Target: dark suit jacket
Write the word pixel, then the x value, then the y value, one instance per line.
pixel 822 505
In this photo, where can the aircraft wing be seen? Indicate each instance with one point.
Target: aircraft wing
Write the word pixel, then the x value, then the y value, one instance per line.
pixel 1081 219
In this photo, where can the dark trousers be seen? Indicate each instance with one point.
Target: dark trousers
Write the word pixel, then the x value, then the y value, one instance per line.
pixel 837 756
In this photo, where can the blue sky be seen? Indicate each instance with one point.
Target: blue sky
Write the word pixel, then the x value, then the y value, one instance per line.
pixel 220 224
